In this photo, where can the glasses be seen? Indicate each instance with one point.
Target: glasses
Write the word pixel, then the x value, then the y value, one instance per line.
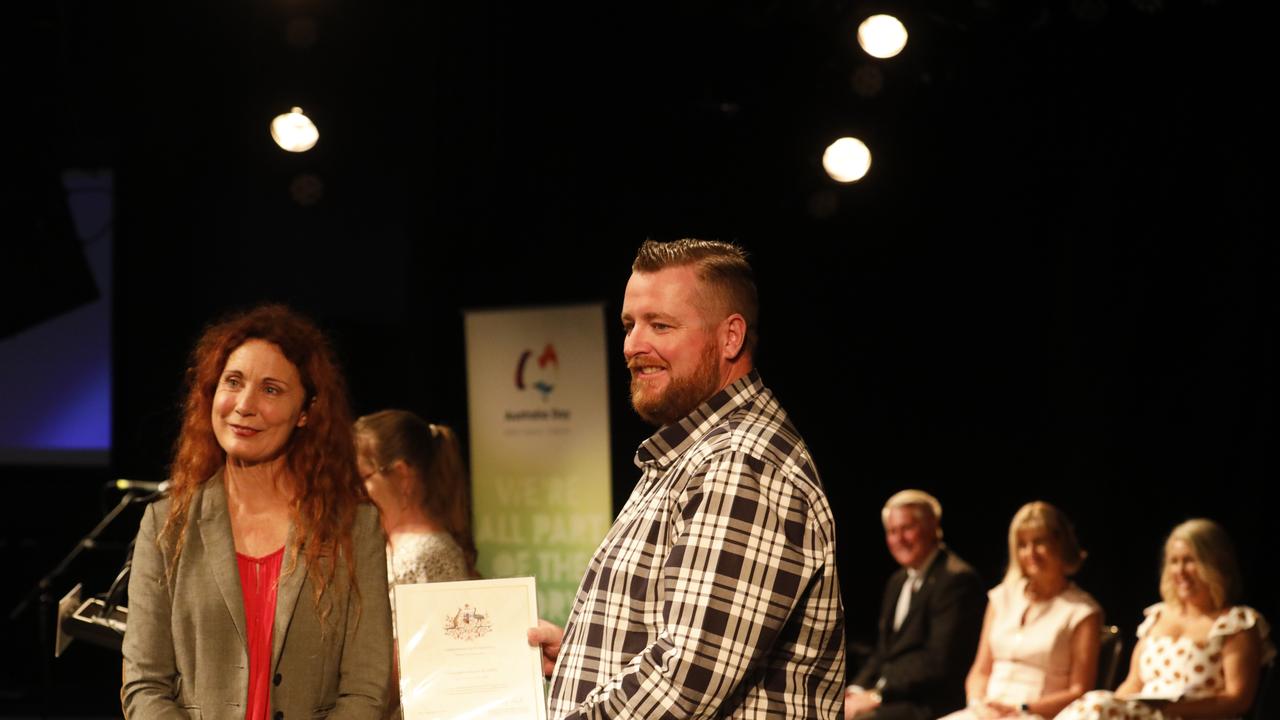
pixel 376 471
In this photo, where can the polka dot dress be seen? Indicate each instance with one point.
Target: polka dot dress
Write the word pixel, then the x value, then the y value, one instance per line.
pixel 1170 667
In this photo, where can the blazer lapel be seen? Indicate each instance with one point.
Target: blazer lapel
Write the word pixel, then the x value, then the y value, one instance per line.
pixel 220 549
pixel 896 582
pixel 287 593
pixel 926 586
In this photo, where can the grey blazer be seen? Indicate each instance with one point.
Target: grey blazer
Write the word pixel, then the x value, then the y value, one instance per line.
pixel 184 646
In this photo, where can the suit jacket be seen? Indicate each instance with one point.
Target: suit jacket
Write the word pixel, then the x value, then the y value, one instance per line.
pixel 925 661
pixel 184 646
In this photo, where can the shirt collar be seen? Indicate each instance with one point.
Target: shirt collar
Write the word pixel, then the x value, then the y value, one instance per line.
pixel 915 576
pixel 671 441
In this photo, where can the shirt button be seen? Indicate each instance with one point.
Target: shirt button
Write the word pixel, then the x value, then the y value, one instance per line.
pixel 279 715
pixel 276 680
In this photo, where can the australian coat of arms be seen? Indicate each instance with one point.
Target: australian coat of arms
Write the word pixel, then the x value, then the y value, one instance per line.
pixel 467 624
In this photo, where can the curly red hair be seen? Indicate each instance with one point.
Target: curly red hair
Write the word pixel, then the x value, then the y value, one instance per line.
pixel 319 456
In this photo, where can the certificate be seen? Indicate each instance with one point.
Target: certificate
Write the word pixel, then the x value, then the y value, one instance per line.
pixel 464 650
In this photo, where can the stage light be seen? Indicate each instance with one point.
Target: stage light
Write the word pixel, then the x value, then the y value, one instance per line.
pixel 882 36
pixel 847 160
pixel 294 131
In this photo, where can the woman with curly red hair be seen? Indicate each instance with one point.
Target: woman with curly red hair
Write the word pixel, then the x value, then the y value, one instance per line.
pixel 258 587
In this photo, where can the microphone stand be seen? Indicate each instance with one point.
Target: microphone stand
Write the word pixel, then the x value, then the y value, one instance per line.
pixel 42 589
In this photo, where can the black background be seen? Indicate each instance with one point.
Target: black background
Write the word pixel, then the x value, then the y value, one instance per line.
pixel 1055 282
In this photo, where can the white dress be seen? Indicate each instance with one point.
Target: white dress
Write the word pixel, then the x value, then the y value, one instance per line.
pixel 1031 642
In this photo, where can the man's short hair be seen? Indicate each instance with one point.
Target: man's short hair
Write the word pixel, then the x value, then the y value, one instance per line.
pixel 722 266
pixel 924 505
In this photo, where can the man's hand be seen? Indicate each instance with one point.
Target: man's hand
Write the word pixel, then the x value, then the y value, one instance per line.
pixel 856 703
pixel 547 636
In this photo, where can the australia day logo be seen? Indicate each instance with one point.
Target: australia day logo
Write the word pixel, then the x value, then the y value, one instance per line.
pixel 538 373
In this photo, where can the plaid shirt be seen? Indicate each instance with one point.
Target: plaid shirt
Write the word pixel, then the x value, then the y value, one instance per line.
pixel 715 594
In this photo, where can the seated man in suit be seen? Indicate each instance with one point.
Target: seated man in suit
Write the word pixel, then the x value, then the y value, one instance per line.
pixel 929 622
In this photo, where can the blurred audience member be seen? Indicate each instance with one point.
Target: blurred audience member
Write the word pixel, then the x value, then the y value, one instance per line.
pixel 1039 644
pixel 1199 652
pixel 929 621
pixel 413 471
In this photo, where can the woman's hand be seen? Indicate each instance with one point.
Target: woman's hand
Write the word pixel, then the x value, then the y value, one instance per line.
pixel 992 709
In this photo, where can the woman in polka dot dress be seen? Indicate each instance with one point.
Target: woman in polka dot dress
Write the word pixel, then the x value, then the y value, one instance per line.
pixel 1199 654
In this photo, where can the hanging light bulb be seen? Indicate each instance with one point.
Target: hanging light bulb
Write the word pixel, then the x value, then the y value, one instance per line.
pixel 882 36
pixel 847 160
pixel 294 131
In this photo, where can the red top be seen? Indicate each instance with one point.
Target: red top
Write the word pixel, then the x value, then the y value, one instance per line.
pixel 259 578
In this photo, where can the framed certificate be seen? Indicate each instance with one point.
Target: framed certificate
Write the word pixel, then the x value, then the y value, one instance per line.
pixel 464 650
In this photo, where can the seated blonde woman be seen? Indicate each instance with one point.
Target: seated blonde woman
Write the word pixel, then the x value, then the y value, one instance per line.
pixel 1039 645
pixel 1199 653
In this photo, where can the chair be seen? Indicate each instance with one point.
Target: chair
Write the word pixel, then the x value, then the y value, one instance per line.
pixel 857 653
pixel 1261 710
pixel 1110 655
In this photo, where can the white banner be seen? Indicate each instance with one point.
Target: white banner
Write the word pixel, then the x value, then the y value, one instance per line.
pixel 539 419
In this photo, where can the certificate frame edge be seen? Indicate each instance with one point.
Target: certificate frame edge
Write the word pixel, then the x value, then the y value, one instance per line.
pixel 529 583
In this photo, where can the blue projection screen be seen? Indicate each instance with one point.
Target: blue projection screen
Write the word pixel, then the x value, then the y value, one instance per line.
pixel 55 377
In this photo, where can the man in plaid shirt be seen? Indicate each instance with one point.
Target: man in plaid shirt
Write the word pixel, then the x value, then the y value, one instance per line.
pixel 715 594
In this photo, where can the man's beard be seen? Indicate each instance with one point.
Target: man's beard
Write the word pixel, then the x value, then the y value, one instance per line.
pixel 681 395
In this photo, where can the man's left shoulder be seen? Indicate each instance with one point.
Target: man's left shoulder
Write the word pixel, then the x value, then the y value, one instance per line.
pixel 758 441
pixel 953 568
pixel 762 430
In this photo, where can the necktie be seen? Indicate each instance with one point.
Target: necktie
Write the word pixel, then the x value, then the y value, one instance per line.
pixel 904 601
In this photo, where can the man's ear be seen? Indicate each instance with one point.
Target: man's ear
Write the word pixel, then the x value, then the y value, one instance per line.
pixel 733 336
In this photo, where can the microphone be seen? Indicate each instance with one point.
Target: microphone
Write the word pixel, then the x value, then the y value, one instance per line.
pixel 143 485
